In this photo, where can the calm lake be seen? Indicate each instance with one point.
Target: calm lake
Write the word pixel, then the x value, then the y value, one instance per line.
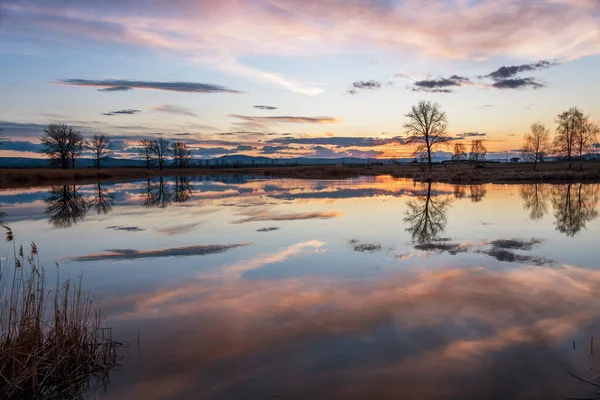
pixel 244 288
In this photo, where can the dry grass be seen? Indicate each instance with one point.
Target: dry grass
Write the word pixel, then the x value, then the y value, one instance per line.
pixel 465 173
pixel 53 343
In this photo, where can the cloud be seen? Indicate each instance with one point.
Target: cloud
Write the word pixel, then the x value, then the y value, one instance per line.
pixel 21 146
pixel 341 141
pixel 266 107
pixel 274 149
pixel 470 134
pixel 440 85
pixel 269 229
pixel 325 152
pixel 177 110
pixel 518 83
pixel 286 119
pixel 130 254
pixel 126 228
pixel 444 245
pixel 122 112
pixel 364 85
pixel 111 85
pixel 503 73
pixel 289 217
pixel 243 147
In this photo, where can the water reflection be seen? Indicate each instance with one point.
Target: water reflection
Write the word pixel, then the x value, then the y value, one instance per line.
pixel 102 201
pixel 65 206
pixel 535 200
pixel 158 194
pixel 379 338
pixel 426 214
pixel 574 204
pixel 183 189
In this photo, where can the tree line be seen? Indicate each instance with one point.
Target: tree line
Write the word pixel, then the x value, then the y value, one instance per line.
pixel 426 125
pixel 63 145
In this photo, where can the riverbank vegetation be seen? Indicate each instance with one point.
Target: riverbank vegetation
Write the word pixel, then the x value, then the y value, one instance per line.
pixel 53 343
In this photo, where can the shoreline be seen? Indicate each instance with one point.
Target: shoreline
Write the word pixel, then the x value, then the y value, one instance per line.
pixel 465 174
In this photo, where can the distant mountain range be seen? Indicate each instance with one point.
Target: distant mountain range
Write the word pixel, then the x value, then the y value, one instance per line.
pixel 240 159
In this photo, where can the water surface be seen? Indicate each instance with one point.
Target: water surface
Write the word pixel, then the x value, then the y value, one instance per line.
pixel 360 288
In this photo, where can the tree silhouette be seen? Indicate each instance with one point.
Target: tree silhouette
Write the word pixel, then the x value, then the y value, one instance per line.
pixel 535 199
pixel 574 206
pixel 62 144
pixel 183 189
pixel 146 152
pixel 426 126
pixel 102 201
pixel 99 145
pixel 157 194
pixel 182 155
pixel 460 152
pixel 65 206
pixel 537 143
pixel 426 214
pixel 161 148
pixel 478 151
pixel 570 124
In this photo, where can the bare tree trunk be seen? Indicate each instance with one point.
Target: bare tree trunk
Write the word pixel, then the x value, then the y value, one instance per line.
pixel 429 156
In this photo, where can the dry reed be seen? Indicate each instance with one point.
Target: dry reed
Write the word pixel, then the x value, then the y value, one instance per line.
pixel 53 343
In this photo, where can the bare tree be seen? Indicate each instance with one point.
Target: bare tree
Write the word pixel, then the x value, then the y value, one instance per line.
pixel 426 126
pixel 99 145
pixel 146 152
pixel 478 151
pixel 460 152
pixel 537 143
pixel 161 149
pixel 570 125
pixel 182 155
pixel 62 144
pixel 585 140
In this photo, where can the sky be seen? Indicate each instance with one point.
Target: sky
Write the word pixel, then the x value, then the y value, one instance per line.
pixel 288 78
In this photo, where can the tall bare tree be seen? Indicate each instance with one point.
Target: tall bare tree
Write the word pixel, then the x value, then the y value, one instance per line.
pixel 182 155
pixel 478 151
pixel 99 145
pixel 460 152
pixel 426 126
pixel 146 152
pixel 161 149
pixel 537 143
pixel 585 140
pixel 62 144
pixel 570 125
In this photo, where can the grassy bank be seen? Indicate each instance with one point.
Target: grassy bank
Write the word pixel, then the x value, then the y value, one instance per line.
pixel 485 173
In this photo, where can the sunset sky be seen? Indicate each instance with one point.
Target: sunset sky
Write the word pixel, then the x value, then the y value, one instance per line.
pixel 286 78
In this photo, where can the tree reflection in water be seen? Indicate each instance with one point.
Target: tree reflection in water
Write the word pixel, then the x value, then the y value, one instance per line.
pixel 183 189
pixel 574 206
pixel 535 200
pixel 426 214
pixel 158 194
pixel 65 206
pixel 102 201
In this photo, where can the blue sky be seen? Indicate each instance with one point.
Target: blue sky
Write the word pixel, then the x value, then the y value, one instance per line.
pixel 301 57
